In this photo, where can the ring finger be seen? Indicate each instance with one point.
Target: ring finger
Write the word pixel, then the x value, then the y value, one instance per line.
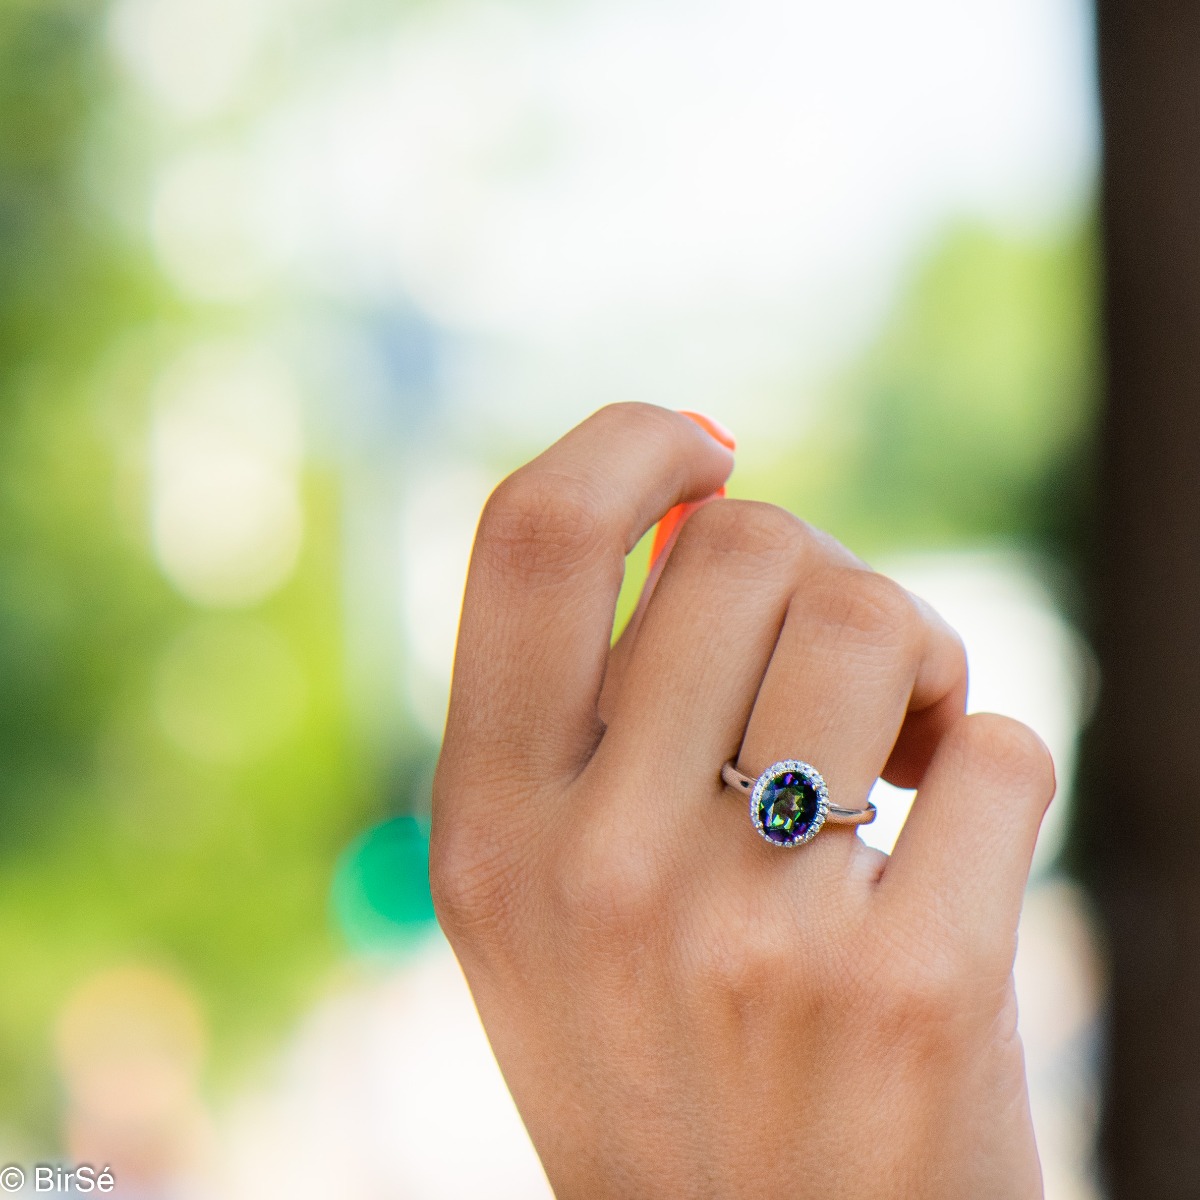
pixel 769 636
pixel 862 675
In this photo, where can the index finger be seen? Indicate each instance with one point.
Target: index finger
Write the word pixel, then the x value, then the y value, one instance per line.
pixel 545 573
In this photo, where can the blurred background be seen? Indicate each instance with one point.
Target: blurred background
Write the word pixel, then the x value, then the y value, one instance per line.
pixel 286 286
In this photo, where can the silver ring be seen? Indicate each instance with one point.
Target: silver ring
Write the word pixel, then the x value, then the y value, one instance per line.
pixel 789 802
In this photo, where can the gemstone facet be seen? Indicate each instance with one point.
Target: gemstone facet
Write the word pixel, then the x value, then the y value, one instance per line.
pixel 789 803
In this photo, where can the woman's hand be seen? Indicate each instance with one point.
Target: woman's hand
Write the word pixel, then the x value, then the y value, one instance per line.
pixel 680 1009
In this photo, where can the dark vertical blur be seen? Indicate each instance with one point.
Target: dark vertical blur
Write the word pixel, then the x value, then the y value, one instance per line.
pixel 1140 795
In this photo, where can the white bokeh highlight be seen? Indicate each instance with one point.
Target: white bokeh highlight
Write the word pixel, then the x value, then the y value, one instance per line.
pixel 225 448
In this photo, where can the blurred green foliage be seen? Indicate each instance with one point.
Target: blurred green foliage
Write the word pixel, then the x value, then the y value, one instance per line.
pixel 968 420
pixel 176 787
pixel 970 417
pixel 119 842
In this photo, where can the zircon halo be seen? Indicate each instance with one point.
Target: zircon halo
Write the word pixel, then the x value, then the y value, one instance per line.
pixel 789 803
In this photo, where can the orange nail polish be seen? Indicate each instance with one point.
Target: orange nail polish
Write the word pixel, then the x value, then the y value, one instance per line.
pixel 671 523
pixel 665 528
pixel 713 428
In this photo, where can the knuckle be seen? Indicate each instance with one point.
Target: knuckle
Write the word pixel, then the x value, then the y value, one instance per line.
pixel 959 650
pixel 999 745
pixel 538 522
pixel 914 994
pixel 744 963
pixel 640 420
pixel 922 986
pixel 471 884
pixel 870 608
pixel 762 533
pixel 610 884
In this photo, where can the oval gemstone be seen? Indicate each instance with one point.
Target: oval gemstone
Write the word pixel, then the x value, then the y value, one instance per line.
pixel 787 807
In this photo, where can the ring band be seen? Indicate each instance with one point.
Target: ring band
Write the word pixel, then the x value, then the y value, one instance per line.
pixel 835 814
pixel 789 802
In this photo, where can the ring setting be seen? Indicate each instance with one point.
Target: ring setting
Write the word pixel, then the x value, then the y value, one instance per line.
pixel 789 802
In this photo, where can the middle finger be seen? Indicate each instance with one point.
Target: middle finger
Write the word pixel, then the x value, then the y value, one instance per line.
pixel 767 640
pixel 689 675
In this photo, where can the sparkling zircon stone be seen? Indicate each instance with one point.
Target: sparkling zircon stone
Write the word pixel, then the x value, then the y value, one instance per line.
pixel 788 804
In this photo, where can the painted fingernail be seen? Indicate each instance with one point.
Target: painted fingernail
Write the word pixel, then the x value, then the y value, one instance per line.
pixel 670 524
pixel 665 529
pixel 713 428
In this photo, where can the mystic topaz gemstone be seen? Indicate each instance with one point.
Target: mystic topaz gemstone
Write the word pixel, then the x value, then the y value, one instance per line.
pixel 787 807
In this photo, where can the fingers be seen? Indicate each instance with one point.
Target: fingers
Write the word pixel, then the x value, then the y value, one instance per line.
pixel 856 655
pixel 618 659
pixel 666 533
pixel 960 865
pixel 765 629
pixel 932 708
pixel 692 667
pixel 545 573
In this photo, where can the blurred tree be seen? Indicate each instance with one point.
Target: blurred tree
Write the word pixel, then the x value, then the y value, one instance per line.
pixel 970 417
pixel 63 292
pixel 119 841
pixel 142 815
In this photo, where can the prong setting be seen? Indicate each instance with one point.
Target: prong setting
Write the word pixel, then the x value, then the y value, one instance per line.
pixel 789 803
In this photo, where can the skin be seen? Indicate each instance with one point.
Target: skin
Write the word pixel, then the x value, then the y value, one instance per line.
pixel 681 1009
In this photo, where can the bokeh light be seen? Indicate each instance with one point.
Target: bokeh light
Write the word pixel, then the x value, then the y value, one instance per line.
pixel 287 286
pixel 228 520
pixel 131 1043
